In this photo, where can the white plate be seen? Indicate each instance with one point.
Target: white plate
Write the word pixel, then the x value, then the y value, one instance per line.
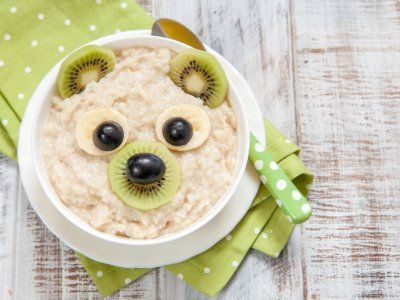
pixel 146 255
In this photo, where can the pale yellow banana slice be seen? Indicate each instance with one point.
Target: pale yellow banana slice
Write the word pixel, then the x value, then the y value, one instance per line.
pixel 195 115
pixel 89 121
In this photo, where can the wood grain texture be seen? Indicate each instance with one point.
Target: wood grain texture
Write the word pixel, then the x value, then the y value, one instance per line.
pixel 347 62
pixel 8 208
pixel 327 74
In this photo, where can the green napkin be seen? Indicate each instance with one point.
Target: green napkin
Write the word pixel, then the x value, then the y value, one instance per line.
pixel 34 36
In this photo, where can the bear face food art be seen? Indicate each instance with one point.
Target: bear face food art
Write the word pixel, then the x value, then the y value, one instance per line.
pixel 135 153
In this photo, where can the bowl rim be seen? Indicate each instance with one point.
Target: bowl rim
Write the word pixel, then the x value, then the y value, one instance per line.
pixel 44 101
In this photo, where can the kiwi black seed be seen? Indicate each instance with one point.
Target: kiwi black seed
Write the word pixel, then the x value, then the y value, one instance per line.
pixel 83 66
pixel 144 196
pixel 199 73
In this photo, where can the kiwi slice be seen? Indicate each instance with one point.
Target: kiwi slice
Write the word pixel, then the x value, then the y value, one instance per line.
pixel 83 66
pixel 199 73
pixel 144 196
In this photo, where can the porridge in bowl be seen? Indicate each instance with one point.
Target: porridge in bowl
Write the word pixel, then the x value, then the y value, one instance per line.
pixel 146 150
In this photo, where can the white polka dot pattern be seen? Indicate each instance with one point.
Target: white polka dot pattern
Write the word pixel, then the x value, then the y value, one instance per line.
pixel 235 264
pixel 296 195
pixel 257 230
pixel 99 273
pixel 67 22
pixel 288 198
pixel 40 16
pixel 21 96
pixel 259 148
pixel 124 5
pixel 258 165
pixel 306 208
pixel 92 27
pixel 34 43
pixel 7 37
pixel 273 165
pixel 4 122
pixel 281 184
pixel 180 276
pixel 128 281
pixel 1 63
pixel 28 70
pixel 13 10
pixel 228 237
pixel 207 270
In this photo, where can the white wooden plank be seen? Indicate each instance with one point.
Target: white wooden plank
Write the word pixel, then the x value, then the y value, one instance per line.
pixel 8 207
pixel 37 257
pixel 347 92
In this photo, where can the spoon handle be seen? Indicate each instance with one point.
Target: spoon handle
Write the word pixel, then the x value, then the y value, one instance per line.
pixel 287 196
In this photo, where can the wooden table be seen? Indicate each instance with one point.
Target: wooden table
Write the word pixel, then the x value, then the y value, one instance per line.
pixel 327 73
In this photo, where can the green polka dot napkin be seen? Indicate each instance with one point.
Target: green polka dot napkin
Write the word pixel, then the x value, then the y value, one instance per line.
pixel 34 35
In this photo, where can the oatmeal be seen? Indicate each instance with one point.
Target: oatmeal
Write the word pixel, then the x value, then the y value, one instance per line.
pixel 140 89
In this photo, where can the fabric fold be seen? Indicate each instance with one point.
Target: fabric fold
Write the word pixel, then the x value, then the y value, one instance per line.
pixel 108 278
pixel 9 120
pixel 6 145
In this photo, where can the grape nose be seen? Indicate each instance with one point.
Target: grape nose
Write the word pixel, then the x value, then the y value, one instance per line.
pixel 145 168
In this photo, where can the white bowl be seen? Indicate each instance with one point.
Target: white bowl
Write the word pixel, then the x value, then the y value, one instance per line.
pixel 43 100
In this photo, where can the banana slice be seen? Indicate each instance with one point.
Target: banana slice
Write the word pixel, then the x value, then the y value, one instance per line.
pixel 183 127
pixel 91 120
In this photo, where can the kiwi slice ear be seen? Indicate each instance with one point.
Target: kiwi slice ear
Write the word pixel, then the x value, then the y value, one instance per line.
pixel 144 196
pixel 83 66
pixel 199 73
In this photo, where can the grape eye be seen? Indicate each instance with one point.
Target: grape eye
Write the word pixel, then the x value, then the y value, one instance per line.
pixel 101 131
pixel 177 131
pixel 108 136
pixel 183 127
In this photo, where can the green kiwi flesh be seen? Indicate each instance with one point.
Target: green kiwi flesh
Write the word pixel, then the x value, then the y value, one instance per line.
pixel 149 196
pixel 83 66
pixel 199 73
